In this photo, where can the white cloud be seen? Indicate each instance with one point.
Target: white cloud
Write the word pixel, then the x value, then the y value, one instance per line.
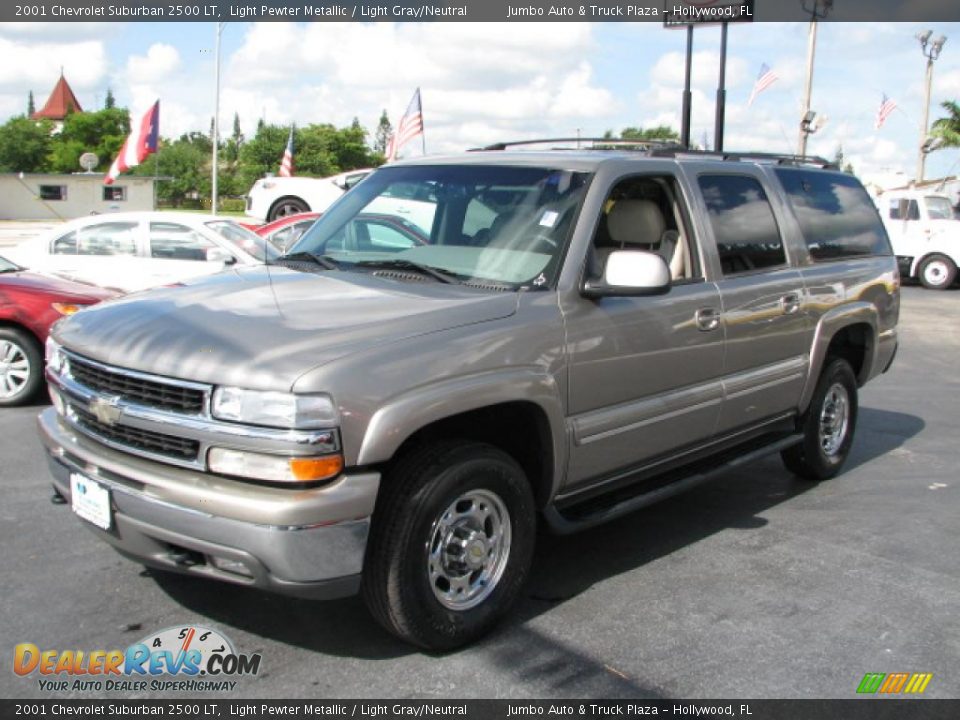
pixel 158 64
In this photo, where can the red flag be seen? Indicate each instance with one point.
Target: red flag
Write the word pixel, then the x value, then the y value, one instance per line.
pixel 141 142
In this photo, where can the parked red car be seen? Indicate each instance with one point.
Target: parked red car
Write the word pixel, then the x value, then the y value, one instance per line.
pixel 29 305
pixel 283 232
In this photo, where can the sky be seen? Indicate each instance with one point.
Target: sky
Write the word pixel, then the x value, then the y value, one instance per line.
pixel 488 82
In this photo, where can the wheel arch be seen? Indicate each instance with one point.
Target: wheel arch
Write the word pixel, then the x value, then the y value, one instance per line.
pixel 850 332
pixel 518 412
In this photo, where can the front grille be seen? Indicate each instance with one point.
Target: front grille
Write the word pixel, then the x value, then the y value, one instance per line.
pixel 152 393
pixel 144 440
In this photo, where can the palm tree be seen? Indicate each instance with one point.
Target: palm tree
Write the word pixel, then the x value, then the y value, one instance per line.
pixel 948 128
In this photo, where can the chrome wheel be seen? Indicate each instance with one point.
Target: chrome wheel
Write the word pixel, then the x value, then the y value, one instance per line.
pixel 834 419
pixel 14 369
pixel 468 549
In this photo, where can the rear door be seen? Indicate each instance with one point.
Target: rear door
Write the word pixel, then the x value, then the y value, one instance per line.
pixel 763 301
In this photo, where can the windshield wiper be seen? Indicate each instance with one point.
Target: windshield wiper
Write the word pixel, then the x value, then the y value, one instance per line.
pixel 324 261
pixel 433 272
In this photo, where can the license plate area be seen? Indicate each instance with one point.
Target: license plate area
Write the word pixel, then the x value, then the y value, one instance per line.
pixel 90 500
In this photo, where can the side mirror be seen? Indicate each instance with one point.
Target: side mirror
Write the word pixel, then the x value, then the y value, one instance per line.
pixel 630 273
pixel 216 254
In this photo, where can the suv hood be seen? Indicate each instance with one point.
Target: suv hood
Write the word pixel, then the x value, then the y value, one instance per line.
pixel 263 328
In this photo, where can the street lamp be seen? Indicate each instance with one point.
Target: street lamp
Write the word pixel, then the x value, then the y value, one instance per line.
pixel 216 122
pixel 818 10
pixel 931 50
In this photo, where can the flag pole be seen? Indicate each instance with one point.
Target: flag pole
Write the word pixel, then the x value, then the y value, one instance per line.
pixel 216 122
pixel 423 132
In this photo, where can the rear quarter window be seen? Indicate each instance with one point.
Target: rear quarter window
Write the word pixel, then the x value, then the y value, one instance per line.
pixel 836 217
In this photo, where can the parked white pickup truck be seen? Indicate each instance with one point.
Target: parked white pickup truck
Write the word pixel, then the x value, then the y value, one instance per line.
pixel 924 231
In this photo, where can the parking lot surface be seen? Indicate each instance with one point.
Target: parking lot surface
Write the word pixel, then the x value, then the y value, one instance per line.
pixel 756 585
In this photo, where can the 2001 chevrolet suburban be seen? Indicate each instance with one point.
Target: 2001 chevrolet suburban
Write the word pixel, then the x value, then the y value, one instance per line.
pixel 584 333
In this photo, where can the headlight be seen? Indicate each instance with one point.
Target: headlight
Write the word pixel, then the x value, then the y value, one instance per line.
pixel 275 468
pixel 274 409
pixel 66 308
pixel 56 359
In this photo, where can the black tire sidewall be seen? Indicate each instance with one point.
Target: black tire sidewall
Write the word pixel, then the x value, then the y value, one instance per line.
pixel 478 467
pixel 826 466
pixel 34 354
pixel 274 213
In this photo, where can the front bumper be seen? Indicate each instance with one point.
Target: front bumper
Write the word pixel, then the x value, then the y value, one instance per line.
pixel 308 543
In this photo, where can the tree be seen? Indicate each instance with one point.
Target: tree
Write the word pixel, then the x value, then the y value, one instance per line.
pixel 31 107
pixel 25 145
pixel 948 128
pixel 383 133
pixel 109 103
pixel 101 132
pixel 186 162
pixel 660 132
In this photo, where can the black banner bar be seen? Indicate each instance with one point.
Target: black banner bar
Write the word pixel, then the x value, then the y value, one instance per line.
pixel 681 11
pixel 198 708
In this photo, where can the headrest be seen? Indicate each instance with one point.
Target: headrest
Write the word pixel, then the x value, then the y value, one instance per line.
pixel 633 222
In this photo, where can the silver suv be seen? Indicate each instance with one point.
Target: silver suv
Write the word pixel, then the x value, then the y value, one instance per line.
pixel 567 336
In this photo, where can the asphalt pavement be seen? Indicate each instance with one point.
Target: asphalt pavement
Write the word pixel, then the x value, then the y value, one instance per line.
pixel 756 585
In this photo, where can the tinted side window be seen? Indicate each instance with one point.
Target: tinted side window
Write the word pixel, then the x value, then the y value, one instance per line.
pixel 835 214
pixel 110 238
pixel 747 235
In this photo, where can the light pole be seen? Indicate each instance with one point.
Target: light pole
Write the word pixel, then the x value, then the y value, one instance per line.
pixel 818 10
pixel 216 122
pixel 931 50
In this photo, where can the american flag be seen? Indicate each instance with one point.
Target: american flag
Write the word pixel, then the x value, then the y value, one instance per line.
pixel 286 164
pixel 141 142
pixel 887 106
pixel 765 79
pixel 411 125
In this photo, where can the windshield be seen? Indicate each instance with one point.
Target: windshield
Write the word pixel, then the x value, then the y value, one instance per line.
pixel 249 242
pixel 504 226
pixel 938 208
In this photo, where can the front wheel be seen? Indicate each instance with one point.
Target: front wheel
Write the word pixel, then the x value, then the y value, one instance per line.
pixel 827 426
pixel 451 544
pixel 937 272
pixel 21 367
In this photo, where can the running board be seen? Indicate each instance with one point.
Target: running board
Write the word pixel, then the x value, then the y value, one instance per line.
pixel 567 521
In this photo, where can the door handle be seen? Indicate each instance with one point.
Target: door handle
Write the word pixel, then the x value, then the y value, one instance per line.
pixel 790 303
pixel 707 319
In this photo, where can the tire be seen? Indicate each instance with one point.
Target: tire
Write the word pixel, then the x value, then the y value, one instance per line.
pixel 286 206
pixel 21 367
pixel 828 425
pixel 451 544
pixel 937 272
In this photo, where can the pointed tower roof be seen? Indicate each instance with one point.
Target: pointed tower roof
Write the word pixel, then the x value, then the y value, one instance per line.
pixel 61 101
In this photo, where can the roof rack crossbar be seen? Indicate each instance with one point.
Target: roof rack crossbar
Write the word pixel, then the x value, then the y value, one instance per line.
pixel 778 158
pixel 591 143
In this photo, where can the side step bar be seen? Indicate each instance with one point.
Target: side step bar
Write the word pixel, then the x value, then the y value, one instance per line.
pixel 565 522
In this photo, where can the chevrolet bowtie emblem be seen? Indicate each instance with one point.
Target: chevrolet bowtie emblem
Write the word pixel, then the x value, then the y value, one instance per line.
pixel 106 410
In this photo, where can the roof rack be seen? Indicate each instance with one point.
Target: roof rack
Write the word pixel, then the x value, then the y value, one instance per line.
pixel 667 149
pixel 773 158
pixel 585 144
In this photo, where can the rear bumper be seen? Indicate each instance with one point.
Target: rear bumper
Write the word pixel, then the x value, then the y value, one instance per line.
pixel 307 543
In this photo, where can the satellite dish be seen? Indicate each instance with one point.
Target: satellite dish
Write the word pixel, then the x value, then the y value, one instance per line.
pixel 88 161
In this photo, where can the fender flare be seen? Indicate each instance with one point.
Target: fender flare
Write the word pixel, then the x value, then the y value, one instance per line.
pixel 405 414
pixel 832 322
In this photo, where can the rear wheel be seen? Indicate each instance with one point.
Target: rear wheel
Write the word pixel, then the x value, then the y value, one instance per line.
pixel 451 544
pixel 827 426
pixel 286 206
pixel 21 367
pixel 937 272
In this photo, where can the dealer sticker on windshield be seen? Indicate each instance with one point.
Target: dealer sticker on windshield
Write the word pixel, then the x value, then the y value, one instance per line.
pixel 549 218
pixel 90 500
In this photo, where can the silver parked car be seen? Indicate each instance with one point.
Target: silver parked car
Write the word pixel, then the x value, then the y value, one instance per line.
pixel 582 334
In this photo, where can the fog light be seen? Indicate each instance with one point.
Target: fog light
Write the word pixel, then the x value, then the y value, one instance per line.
pixel 236 567
pixel 274 467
